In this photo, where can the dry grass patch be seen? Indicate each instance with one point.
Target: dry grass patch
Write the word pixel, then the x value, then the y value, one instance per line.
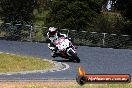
pixel 59 84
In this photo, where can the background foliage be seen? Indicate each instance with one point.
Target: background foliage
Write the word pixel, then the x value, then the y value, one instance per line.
pixel 17 10
pixel 88 15
pixel 75 14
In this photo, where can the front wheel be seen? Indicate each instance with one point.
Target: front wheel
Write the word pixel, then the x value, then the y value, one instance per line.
pixel 74 56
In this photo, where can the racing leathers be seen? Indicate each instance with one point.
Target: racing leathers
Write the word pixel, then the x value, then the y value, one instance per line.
pixel 52 39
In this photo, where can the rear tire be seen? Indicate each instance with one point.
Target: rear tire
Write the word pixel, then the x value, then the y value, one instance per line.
pixel 74 56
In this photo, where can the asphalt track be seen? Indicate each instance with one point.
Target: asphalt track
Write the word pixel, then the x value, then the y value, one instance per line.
pixel 94 60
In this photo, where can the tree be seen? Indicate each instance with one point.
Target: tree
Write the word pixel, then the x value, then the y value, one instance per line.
pixel 73 14
pixel 124 6
pixel 17 10
pixel 43 4
pixel 105 3
pixel 14 12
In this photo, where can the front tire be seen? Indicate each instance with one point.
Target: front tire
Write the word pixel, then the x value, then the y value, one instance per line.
pixel 74 56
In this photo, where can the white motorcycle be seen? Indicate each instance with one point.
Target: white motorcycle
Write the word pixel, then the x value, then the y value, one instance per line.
pixel 66 49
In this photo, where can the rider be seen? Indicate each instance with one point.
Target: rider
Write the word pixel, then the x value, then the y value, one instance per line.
pixel 53 34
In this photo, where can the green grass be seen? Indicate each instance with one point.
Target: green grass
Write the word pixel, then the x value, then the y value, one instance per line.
pixel 88 86
pixel 15 63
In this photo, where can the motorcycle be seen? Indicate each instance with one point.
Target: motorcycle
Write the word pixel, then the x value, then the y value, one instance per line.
pixel 66 49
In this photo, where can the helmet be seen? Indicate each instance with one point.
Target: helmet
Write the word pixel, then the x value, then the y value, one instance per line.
pixel 52 31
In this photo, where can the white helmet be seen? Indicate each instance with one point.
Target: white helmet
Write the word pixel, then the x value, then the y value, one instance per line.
pixel 52 30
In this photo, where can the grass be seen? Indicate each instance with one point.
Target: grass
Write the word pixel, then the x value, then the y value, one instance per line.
pixel 15 63
pixel 61 84
pixel 87 86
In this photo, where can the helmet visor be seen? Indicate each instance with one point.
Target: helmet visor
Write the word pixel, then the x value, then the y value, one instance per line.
pixel 52 33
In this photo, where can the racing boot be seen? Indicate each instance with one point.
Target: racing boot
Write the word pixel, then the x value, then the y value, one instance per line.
pixel 54 54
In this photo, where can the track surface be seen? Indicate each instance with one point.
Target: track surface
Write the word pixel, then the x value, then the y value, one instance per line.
pixel 94 60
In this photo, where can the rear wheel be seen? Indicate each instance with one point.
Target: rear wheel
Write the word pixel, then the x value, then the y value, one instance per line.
pixel 74 56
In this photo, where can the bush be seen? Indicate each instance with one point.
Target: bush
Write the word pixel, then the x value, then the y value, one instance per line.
pixel 110 22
